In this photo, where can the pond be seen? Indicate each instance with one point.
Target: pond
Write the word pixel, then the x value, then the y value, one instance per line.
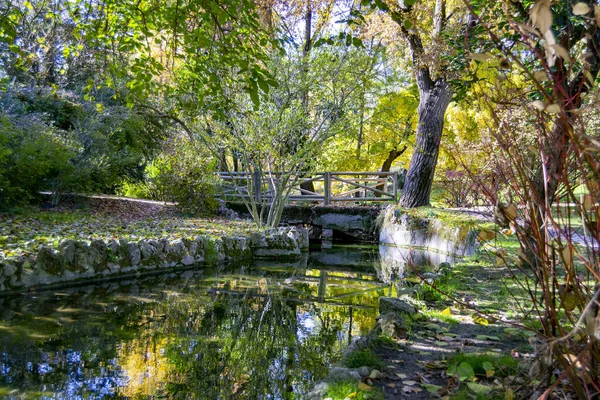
pixel 262 330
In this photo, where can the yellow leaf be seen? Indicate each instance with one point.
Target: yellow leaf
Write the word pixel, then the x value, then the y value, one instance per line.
pixel 562 52
pixel 540 75
pixel 509 394
pixel 587 202
pixel 597 14
pixel 538 104
pixel 480 56
pixel 511 212
pixel 364 386
pixel 567 256
pixel 581 9
pixel 447 312
pixel 553 108
pixel 480 320
pixel 485 235
pixel 541 16
pixel 351 395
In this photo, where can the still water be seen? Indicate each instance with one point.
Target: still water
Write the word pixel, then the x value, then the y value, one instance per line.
pixel 255 331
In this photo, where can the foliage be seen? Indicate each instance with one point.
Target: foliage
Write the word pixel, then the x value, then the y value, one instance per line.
pixel 32 157
pixel 350 389
pixel 359 358
pixel 183 173
pixel 467 365
pixel 280 139
pixel 56 141
pixel 543 146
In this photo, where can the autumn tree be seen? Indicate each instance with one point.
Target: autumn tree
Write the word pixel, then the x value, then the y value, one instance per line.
pixel 435 92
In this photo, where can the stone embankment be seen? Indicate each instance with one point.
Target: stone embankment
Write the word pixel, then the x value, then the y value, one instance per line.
pixel 82 260
pixel 403 229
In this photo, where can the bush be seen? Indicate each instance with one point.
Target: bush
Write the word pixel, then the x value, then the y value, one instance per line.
pixel 55 141
pixel 33 157
pixel 184 174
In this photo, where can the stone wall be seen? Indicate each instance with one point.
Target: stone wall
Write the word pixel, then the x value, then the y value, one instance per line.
pixel 81 260
pixel 404 230
pixel 354 222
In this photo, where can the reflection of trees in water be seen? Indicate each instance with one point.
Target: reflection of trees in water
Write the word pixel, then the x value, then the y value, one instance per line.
pixel 244 341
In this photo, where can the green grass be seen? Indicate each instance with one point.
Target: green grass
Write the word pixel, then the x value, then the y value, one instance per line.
pixel 360 358
pixel 437 314
pixel 349 389
pixel 466 394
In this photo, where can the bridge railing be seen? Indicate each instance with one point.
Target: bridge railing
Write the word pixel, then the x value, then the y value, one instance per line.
pixel 329 187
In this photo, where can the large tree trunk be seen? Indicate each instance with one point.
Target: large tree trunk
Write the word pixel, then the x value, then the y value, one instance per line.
pixel 434 100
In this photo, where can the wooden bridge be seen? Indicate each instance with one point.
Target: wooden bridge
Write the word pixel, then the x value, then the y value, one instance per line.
pixel 329 187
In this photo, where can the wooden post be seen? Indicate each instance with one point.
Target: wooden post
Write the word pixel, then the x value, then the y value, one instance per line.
pixel 257 184
pixel 327 184
pixel 395 180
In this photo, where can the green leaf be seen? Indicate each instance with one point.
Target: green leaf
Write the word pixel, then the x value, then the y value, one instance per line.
pixel 431 388
pixel 488 337
pixel 489 369
pixel 479 388
pixel 465 371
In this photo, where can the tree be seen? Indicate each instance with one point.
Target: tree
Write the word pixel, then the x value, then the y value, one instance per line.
pixel 435 94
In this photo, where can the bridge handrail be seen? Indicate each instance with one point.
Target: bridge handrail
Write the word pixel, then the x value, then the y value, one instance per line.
pixel 383 186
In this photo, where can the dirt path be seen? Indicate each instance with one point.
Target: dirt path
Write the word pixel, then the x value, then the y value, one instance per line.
pixel 422 358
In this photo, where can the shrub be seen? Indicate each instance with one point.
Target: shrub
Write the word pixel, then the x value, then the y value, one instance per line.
pixel 33 157
pixel 184 174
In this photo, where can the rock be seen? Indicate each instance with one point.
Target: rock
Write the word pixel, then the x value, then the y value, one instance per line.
pixel 302 238
pixel 123 253
pixel 147 249
pixel 364 371
pixel 197 249
pixel 282 242
pixel 135 255
pixel 225 212
pixel 342 374
pixel 236 248
pixel 392 304
pixel 98 253
pixel 82 259
pixel 8 269
pixel 213 250
pixel 176 251
pixel 375 374
pixel 187 260
pixel 318 391
pixel 443 266
pixel 67 249
pixel 393 325
pixel 47 260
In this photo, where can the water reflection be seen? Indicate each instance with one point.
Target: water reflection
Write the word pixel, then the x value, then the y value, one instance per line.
pixel 400 262
pixel 246 332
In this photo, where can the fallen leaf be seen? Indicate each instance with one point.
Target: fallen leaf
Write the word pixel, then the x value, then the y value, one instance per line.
pixel 364 386
pixel 479 388
pixel 487 337
pixel 431 388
